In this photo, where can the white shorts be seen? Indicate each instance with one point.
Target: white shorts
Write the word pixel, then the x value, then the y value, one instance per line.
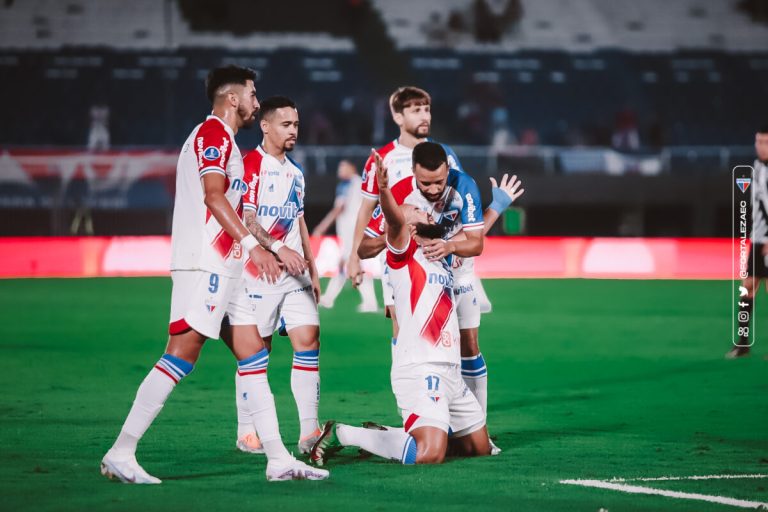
pixel 467 308
pixel 434 395
pixel 297 308
pixel 199 301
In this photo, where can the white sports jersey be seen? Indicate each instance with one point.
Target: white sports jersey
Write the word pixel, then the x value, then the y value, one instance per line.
pixel 458 209
pixel 349 193
pixel 399 162
pixel 198 242
pixel 429 327
pixel 276 195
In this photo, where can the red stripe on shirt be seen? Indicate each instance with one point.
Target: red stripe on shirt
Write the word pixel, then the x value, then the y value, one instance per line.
pixel 441 311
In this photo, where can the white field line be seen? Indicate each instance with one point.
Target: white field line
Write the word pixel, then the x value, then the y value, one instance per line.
pixel 635 489
pixel 694 477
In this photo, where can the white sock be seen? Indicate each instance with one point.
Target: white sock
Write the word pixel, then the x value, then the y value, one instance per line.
pixel 367 292
pixel 475 375
pixel 305 385
pixel 150 398
pixel 244 420
pixel 335 285
pixel 260 403
pixel 393 443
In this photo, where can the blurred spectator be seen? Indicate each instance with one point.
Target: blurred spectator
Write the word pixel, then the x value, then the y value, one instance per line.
pixel 98 133
pixel 625 134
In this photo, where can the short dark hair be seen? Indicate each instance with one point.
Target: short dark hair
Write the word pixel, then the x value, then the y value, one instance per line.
pixel 227 75
pixel 429 155
pixel 763 129
pixel 273 103
pixel 408 96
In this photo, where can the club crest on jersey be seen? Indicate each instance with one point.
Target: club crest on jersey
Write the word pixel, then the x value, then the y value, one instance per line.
pixel 211 153
pixel 743 184
pixel 450 215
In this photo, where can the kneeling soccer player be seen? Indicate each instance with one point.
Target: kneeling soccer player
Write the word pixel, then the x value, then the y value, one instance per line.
pixel 426 361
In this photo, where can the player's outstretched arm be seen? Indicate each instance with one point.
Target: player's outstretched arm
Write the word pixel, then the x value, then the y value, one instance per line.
pixel 322 227
pixel 504 194
pixel 354 270
pixel 371 246
pixel 310 258
pixel 214 189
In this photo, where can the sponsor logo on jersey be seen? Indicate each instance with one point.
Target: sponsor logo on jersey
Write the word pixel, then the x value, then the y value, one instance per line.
pixel 463 289
pixel 470 208
pixel 441 279
pixel 743 184
pixel 211 153
pixel 288 211
pixel 239 185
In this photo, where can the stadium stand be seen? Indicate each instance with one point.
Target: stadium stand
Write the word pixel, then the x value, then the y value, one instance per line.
pixel 649 26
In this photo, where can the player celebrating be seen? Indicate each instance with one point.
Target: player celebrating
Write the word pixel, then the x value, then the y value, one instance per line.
pixel 205 268
pixel 426 374
pixel 452 198
pixel 344 212
pixel 758 252
pixel 274 212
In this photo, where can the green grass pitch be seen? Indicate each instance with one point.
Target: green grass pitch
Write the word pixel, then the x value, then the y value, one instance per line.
pixel 588 380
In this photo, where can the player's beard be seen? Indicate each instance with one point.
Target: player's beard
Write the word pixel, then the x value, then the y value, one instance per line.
pixel 430 231
pixel 289 145
pixel 420 131
pixel 248 119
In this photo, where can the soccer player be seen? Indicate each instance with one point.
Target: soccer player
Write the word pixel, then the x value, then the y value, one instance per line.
pixel 344 212
pixel 426 362
pixel 274 212
pixel 206 265
pixel 411 111
pixel 453 200
pixel 758 252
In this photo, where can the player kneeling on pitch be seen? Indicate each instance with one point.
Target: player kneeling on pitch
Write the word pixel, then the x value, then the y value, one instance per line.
pixel 426 361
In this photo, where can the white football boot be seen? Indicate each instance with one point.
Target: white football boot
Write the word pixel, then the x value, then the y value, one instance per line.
pixel 125 469
pixel 292 469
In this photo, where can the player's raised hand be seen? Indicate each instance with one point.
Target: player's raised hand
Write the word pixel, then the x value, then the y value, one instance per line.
pixel 294 262
pixel 265 261
pixel 382 176
pixel 506 192
pixel 435 249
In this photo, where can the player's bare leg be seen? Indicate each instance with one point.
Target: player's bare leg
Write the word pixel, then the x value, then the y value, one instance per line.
pixel 476 444
pixel 431 445
pixel 305 382
pixel 746 306
pixel 181 353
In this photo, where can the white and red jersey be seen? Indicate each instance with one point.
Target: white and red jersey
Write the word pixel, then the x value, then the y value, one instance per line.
pixel 424 305
pixel 198 242
pixel 276 195
pixel 458 209
pixel 398 160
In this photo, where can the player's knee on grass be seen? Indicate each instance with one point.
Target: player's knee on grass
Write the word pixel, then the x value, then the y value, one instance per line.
pixel 472 445
pixel 432 445
pixel 470 346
